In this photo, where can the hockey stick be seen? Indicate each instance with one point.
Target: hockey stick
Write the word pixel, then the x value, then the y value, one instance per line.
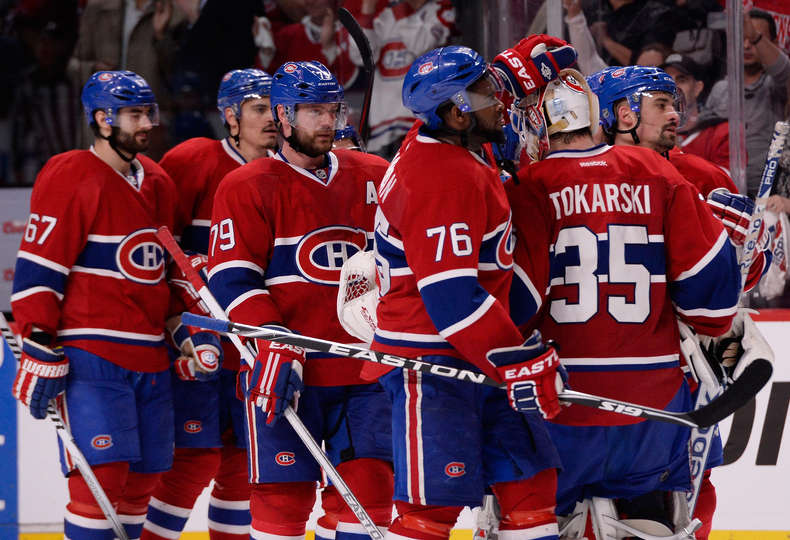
pixel 752 379
pixel 360 39
pixel 70 444
pixel 170 244
pixel 710 388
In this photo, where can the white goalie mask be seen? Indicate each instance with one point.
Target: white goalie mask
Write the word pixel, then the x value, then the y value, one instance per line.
pixel 564 105
pixel 358 296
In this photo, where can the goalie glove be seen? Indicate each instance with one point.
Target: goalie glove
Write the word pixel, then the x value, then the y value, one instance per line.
pixel 201 354
pixel 742 345
pixel 532 63
pixel 533 374
pixel 41 376
pixel 276 378
pixel 357 296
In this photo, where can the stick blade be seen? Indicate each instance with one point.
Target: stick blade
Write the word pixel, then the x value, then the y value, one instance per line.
pixel 751 381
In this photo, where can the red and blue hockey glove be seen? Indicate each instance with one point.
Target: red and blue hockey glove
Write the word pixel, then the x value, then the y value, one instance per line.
pixel 276 379
pixel 735 212
pixel 533 374
pixel 532 63
pixel 41 376
pixel 201 354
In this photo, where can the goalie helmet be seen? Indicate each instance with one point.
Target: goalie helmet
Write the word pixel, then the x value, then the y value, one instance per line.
pixel 239 85
pixel 110 91
pixel 440 76
pixel 306 82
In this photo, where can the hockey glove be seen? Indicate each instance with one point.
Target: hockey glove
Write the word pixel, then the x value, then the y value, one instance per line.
pixel 201 354
pixel 735 212
pixel 533 374
pixel 41 376
pixel 743 344
pixel 276 378
pixel 532 63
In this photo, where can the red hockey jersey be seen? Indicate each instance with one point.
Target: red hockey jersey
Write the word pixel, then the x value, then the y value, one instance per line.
pixel 90 268
pixel 196 167
pixel 615 244
pixel 279 236
pixel 705 175
pixel 444 255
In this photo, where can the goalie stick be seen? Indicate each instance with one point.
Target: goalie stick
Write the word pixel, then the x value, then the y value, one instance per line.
pixel 710 388
pixel 169 242
pixel 741 391
pixel 70 444
pixel 360 39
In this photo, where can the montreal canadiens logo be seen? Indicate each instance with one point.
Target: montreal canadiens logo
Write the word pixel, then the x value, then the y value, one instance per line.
pixel 618 72
pixel 427 67
pixel 289 68
pixel 140 257
pixel 285 459
pixel 101 442
pixel 454 469
pixel 320 254
pixel 193 426
pixel 572 83
pixel 104 77
pixel 504 247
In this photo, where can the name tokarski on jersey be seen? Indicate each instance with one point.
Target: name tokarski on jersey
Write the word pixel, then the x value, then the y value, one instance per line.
pixel 610 254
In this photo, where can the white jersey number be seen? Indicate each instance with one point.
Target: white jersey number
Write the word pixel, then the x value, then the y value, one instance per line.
pixel 460 243
pixel 583 275
pixel 224 231
pixel 32 228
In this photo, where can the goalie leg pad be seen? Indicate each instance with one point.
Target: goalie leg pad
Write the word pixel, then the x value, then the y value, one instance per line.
pixel 420 522
pixel 371 480
pixel 281 510
pixel 84 519
pixel 229 505
pixel 528 507
pixel 176 493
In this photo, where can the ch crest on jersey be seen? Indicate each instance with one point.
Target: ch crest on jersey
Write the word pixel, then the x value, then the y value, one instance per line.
pixel 321 253
pixel 505 246
pixel 141 258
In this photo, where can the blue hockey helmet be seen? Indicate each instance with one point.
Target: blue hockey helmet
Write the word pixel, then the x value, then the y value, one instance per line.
pixel 306 82
pixel 350 134
pixel 239 85
pixel 110 91
pixel 439 76
pixel 631 83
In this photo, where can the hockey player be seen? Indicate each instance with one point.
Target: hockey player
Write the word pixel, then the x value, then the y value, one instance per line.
pixel 605 231
pixel 209 423
pixel 281 230
pixel 444 259
pixel 638 106
pixel 91 302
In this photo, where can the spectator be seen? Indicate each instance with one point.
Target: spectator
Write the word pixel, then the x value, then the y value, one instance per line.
pixel 398 35
pixel 703 133
pixel 631 25
pixel 318 36
pixel 653 55
pixel 766 77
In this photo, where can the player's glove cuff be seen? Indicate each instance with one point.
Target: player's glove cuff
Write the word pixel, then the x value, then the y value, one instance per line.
pixel 41 376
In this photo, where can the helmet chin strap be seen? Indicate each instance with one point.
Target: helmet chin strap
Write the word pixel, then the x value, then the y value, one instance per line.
pixel 632 131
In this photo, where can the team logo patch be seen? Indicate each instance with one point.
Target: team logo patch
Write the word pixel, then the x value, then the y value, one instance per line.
pixel 505 246
pixel 454 469
pixel 101 442
pixel 285 459
pixel 193 426
pixel 105 77
pixel 141 258
pixel 618 73
pixel 321 253
pixel 227 77
pixel 290 68
pixel 571 82
pixel 426 68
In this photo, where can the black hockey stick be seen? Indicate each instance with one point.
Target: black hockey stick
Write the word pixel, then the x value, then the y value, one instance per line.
pixel 355 31
pixel 69 443
pixel 748 384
